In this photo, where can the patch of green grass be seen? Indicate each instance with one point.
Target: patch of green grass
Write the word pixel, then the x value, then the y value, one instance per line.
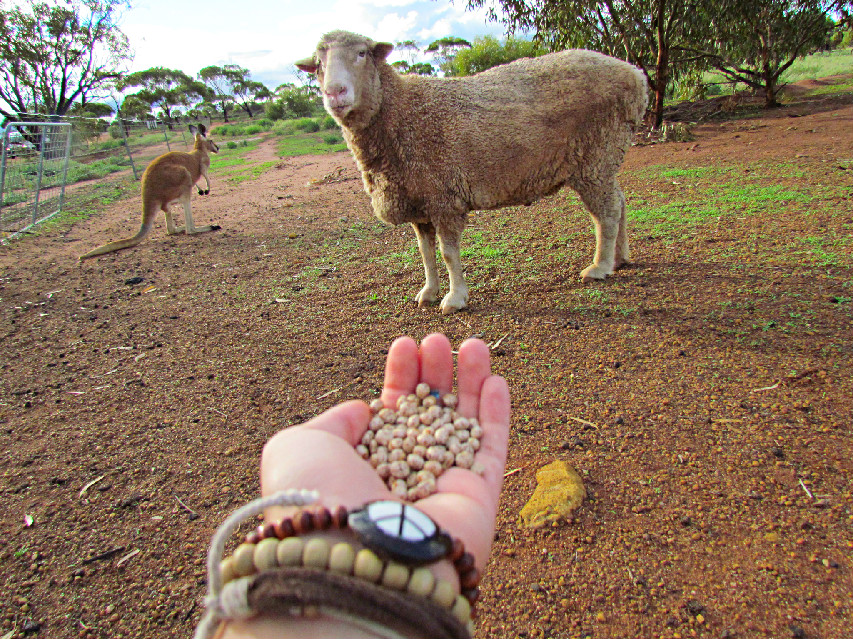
pixel 709 194
pixel 307 144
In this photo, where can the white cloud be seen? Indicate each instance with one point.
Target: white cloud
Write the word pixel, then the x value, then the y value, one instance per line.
pixel 268 36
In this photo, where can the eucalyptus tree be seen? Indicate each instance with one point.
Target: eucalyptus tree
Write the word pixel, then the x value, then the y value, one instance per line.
pixel 654 35
pixel 444 49
pixel 248 92
pixel 219 80
pixel 165 89
pixel 756 41
pixel 487 52
pixel 57 54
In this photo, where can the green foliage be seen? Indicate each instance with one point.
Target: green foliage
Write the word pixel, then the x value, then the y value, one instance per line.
pixel 309 125
pixel 760 39
pixel 292 102
pixel 488 52
pixel 56 54
pixel 165 89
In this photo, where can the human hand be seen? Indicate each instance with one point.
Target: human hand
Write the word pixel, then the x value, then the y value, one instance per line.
pixel 320 454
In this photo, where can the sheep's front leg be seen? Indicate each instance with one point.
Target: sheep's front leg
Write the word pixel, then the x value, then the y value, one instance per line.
pixel 426 245
pixel 607 208
pixel 457 297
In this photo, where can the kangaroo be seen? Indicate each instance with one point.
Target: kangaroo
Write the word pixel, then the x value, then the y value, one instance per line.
pixel 170 178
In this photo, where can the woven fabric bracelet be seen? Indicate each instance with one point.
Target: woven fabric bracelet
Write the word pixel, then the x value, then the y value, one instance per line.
pixel 386 613
pixel 361 576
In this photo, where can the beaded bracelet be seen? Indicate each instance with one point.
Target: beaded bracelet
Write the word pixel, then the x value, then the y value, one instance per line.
pixel 275 548
pixel 319 518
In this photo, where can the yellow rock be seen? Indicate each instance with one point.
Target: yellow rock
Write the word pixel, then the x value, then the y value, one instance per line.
pixel 558 493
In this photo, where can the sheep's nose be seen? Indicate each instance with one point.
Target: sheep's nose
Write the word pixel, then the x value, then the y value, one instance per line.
pixel 336 92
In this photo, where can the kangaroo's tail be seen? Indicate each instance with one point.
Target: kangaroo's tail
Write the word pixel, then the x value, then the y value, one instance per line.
pixel 147 223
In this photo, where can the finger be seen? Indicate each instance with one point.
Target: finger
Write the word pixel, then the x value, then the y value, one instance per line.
pixel 494 416
pixel 473 369
pixel 347 420
pixel 401 370
pixel 436 361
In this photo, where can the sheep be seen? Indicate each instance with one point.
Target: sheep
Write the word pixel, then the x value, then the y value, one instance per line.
pixel 432 149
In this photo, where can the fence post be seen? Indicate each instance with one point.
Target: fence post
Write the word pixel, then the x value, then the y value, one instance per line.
pixel 3 139
pixel 127 146
pixel 38 179
pixel 68 137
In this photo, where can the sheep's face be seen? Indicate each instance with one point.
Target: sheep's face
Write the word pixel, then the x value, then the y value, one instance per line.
pixel 347 73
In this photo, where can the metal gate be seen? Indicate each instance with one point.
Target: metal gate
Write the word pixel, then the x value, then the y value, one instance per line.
pixel 33 170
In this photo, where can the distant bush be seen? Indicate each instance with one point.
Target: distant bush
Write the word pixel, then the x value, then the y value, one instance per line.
pixel 231 144
pixel 265 123
pixel 328 122
pixel 332 138
pixel 254 129
pixel 309 125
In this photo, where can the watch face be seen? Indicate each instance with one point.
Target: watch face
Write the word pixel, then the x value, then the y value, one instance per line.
pixel 400 531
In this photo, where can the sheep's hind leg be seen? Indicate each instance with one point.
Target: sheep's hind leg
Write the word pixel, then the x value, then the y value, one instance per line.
pixel 607 208
pixel 457 297
pixel 426 245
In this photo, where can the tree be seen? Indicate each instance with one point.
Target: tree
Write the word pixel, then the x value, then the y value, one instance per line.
pixel 53 55
pixel 759 39
pixel 409 49
pixel 246 91
pixel 292 101
pixel 488 52
pixel 654 35
pixel 219 81
pixel 445 48
pixel 166 89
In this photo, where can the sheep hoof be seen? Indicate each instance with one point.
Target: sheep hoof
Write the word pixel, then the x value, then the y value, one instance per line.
pixel 426 297
pixel 593 273
pixel 451 304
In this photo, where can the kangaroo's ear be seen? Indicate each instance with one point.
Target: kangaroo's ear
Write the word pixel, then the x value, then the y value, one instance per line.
pixel 309 65
pixel 382 49
pixel 202 130
pixel 193 129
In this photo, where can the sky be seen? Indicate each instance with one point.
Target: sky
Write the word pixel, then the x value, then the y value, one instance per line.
pixel 268 36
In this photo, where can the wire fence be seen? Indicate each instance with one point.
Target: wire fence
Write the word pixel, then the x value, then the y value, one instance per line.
pixel 48 166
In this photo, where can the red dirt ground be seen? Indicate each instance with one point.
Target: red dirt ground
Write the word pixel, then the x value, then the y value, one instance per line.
pixel 718 468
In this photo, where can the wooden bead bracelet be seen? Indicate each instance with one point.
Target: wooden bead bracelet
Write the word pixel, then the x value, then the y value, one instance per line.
pixel 318 518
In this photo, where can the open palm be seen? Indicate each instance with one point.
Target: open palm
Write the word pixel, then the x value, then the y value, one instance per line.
pixel 320 454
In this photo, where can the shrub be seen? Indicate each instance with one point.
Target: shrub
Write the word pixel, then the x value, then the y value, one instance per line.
pixel 332 138
pixel 231 144
pixel 274 110
pixel 328 122
pixel 252 130
pixel 265 123
pixel 308 125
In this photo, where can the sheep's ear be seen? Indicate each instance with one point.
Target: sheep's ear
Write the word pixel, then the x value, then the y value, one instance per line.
pixel 308 65
pixel 381 50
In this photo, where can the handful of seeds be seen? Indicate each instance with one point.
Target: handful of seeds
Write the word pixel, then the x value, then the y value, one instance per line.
pixel 411 447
